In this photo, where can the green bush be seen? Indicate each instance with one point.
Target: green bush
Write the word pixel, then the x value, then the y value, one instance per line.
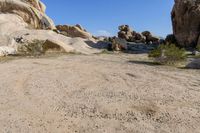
pixel 168 54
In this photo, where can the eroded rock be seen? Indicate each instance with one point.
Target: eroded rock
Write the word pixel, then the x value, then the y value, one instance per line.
pixel 132 36
pixel 23 21
pixel 31 11
pixel 119 44
pixel 74 31
pixel 150 38
pixel 186 22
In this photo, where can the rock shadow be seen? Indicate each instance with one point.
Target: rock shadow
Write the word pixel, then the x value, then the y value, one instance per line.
pixel 98 45
pixel 144 63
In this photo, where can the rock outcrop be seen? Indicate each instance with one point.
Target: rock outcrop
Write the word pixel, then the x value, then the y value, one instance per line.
pixel 118 44
pixel 186 22
pixel 31 11
pixel 125 32
pixel 149 38
pixel 74 31
pixel 24 21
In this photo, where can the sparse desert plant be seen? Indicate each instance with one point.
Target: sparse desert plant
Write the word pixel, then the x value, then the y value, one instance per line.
pixel 196 56
pixel 198 47
pixel 7 59
pixel 168 54
pixel 41 47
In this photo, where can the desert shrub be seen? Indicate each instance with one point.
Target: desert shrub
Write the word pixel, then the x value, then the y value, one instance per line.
pixel 198 47
pixel 168 54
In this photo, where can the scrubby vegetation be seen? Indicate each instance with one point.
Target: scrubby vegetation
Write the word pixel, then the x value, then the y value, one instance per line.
pixel 198 47
pixel 196 56
pixel 168 54
pixel 39 47
pixel 33 48
pixel 7 59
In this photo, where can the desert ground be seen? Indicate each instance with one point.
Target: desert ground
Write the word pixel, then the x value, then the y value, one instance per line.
pixel 104 93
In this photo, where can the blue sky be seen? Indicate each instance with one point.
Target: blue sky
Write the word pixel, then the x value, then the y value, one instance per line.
pixel 102 17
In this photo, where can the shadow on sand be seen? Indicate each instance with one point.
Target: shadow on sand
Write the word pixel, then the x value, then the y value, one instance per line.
pixel 145 63
pixel 98 45
pixel 132 47
pixel 136 52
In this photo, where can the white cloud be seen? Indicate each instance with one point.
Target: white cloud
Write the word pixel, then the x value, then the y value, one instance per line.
pixel 103 33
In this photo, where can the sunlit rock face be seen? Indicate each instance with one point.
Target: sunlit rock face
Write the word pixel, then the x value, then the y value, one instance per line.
pixel 186 22
pixel 31 11
pixel 74 31
pixel 24 27
pixel 36 3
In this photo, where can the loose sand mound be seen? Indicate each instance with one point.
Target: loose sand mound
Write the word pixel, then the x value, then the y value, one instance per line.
pixel 96 94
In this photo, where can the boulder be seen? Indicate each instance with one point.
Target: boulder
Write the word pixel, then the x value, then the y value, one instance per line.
pixel 133 33
pixel 195 53
pixel 80 27
pixel 137 38
pixel 74 31
pixel 119 44
pixel 31 11
pixel 52 39
pixel 125 32
pixel 170 39
pixel 123 35
pixel 146 33
pixel 195 64
pixel 186 19
pixel 130 35
pixel 125 28
pixel 140 38
pixel 24 21
pixel 150 38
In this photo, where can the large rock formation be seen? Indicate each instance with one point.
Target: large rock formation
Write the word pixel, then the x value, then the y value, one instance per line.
pixel 125 32
pixel 118 44
pixel 149 38
pixel 24 21
pixel 186 22
pixel 74 31
pixel 31 11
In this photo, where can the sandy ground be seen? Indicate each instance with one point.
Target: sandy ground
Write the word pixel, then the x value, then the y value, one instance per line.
pixel 97 94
